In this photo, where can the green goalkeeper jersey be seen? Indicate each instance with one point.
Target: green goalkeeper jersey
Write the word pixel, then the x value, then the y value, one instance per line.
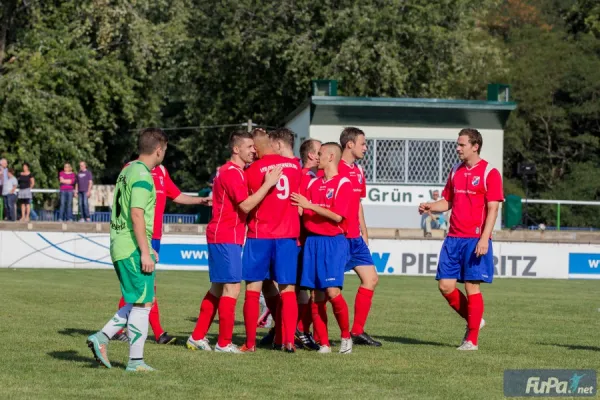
pixel 134 189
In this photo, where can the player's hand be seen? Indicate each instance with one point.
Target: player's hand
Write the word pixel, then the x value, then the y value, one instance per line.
pixel 75 194
pixel 147 263
pixel 300 201
pixel 89 194
pixel 424 208
pixel 482 247
pixel 366 239
pixel 155 254
pixel 273 176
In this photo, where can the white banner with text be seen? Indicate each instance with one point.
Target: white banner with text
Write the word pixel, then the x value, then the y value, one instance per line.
pixel 391 257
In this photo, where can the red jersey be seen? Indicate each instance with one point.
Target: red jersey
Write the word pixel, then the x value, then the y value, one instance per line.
pixel 275 217
pixel 335 195
pixel 308 175
pixel 468 191
pixel 228 222
pixel 355 174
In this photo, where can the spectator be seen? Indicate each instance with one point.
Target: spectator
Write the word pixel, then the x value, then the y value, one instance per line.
pixel 3 177
pixel 26 183
pixel 83 186
pixel 435 220
pixel 67 184
pixel 9 189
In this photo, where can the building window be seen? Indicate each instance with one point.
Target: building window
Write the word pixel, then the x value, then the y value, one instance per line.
pixel 407 161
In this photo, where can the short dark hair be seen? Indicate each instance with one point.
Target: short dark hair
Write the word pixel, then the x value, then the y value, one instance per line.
pixel 150 138
pixel 236 137
pixel 24 164
pixel 338 148
pixel 306 148
pixel 349 135
pixel 11 170
pixel 283 134
pixel 474 137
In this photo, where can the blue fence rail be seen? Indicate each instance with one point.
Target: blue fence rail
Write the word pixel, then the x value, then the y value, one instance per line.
pixel 104 217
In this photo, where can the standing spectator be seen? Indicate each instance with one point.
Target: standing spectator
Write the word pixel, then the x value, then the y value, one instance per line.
pixel 83 190
pixel 3 177
pixel 26 183
pixel 9 189
pixel 67 184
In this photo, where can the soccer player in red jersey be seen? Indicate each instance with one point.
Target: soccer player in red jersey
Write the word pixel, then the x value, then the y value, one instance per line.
pixel 225 235
pixel 354 144
pixel 474 193
pixel 165 188
pixel 309 155
pixel 271 248
pixel 325 211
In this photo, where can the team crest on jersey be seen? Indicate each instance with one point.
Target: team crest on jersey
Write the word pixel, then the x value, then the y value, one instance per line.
pixel 329 193
pixel 475 181
pixel 162 182
pixel 360 178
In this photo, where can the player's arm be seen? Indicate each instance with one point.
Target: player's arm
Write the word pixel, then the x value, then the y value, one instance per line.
pixel 494 195
pixel 141 191
pixel 301 201
pixel 271 179
pixel 363 225
pixel 189 200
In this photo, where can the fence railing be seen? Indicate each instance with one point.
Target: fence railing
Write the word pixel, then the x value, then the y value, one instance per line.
pixel 558 204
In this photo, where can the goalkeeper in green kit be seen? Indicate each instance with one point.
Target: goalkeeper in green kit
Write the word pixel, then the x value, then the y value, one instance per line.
pixel 131 226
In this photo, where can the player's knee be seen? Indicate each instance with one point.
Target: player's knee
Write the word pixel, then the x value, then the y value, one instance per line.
pixel 446 287
pixel 302 297
pixel 369 279
pixel 231 290
pixel 333 292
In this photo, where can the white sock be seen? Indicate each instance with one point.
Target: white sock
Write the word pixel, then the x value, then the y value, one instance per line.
pixel 118 322
pixel 137 331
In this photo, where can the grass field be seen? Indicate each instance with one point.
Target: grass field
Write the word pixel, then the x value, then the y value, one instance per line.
pixel 47 314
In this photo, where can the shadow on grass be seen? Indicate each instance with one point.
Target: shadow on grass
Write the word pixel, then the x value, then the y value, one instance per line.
pixel 76 332
pixel 407 340
pixel 572 346
pixel 74 356
pixel 216 321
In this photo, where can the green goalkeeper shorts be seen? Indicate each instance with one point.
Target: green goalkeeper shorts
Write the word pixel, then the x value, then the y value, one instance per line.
pixel 136 286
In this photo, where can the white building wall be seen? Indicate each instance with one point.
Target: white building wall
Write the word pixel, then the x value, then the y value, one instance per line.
pixel 300 125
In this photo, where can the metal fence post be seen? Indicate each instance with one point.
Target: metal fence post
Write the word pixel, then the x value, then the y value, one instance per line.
pixel 558 216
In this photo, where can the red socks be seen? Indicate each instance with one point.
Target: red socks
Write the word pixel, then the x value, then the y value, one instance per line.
pixel 226 320
pixel 289 314
pixel 251 314
pixel 475 308
pixel 340 310
pixel 274 304
pixel 458 302
pixel 305 317
pixel 154 318
pixel 319 315
pixel 208 309
pixel 362 306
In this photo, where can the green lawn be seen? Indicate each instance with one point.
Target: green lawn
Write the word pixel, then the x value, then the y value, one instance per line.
pixel 47 314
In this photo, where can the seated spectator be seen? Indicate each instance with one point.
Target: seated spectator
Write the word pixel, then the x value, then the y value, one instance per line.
pixel 9 192
pixel 435 220
pixel 67 185
pixel 26 183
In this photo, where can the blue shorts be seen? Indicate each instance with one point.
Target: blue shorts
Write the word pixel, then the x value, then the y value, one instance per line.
pixel 225 262
pixel 323 262
pixel 458 261
pixel 360 255
pixel 156 245
pixel 275 259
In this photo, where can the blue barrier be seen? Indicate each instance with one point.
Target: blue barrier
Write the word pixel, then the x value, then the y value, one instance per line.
pixel 104 217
